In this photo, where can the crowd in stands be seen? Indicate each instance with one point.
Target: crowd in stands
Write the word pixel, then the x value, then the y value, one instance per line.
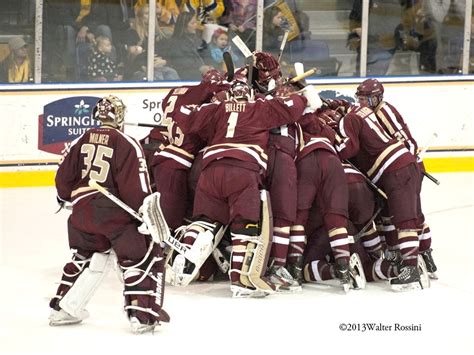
pixel 107 40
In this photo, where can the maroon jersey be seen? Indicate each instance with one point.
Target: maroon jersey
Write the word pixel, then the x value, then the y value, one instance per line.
pixel 239 129
pixel 315 135
pixel 183 149
pixel 393 123
pixel 374 151
pixel 105 154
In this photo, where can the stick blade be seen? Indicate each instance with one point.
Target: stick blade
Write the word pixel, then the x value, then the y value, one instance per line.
pixel 229 63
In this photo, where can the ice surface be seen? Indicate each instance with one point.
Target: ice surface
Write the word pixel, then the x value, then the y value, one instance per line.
pixel 204 317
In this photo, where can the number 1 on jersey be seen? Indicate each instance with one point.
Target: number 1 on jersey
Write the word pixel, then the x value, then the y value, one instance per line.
pixel 231 123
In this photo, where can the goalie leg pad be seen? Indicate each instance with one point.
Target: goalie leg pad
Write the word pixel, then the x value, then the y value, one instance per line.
pixel 82 290
pixel 199 240
pixel 154 219
pixel 144 290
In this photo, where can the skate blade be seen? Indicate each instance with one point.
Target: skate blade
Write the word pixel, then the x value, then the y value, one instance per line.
pixel 433 276
pixel 143 329
pixel 407 287
pixel 54 323
pixel 288 289
pixel 346 287
pixel 241 292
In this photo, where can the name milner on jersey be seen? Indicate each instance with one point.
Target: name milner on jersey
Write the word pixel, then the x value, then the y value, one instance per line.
pixel 97 138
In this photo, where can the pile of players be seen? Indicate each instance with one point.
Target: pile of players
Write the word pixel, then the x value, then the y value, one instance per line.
pixel 258 179
pixel 280 188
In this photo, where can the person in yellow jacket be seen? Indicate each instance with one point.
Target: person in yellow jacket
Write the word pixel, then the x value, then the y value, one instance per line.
pixel 16 68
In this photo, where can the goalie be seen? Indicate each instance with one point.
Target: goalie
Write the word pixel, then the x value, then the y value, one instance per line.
pixel 98 229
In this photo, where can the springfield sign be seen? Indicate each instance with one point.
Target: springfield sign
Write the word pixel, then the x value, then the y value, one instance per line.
pixel 63 121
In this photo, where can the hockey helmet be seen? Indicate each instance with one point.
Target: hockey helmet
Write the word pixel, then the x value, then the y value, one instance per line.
pixel 111 110
pixel 212 75
pixel 240 90
pixel 372 89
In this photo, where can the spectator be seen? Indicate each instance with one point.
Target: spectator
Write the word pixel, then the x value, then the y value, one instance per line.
pixel 206 11
pixel 417 33
pixel 16 68
pixel 168 14
pixel 273 31
pixel 137 36
pixel 242 20
pixel 380 42
pixel 185 53
pixel 67 23
pixel 219 45
pixel 101 66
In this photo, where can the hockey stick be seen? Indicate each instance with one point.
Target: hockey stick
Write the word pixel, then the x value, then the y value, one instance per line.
pixel 229 64
pixel 421 152
pixel 369 182
pixel 144 124
pixel 367 225
pixel 283 44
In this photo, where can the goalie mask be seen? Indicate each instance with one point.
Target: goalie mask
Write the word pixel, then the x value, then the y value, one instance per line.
pixel 110 110
pixel 372 90
pixel 240 91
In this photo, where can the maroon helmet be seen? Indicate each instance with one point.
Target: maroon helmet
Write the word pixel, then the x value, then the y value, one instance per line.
pixel 213 75
pixel 372 89
pixel 267 66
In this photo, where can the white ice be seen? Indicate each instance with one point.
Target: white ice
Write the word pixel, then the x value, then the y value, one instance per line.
pixel 204 317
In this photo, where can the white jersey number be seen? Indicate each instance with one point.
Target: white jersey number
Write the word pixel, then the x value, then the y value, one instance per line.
pixel 231 123
pixel 95 157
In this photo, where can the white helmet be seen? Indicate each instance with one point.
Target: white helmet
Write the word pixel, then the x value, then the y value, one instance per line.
pixel 111 110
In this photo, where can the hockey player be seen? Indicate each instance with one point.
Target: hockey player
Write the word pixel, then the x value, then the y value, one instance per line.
pixel 370 92
pixel 97 226
pixel 234 164
pixel 388 163
pixel 172 163
pixel 322 190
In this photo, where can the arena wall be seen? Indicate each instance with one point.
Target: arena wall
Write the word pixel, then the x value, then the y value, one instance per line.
pixel 37 123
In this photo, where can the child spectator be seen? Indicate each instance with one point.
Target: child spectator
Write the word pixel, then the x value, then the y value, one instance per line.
pixel 16 68
pixel 219 45
pixel 102 67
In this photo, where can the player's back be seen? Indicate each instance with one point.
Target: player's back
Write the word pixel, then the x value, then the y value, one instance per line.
pixel 108 156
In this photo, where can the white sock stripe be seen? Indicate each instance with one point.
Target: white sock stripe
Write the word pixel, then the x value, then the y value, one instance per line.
pixel 424 236
pixel 281 240
pixel 238 258
pixel 371 242
pixel 314 268
pixel 297 238
pixel 378 269
pixel 409 244
pixel 338 242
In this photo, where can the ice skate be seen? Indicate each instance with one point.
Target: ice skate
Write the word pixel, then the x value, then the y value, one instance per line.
pixel 295 269
pixel 282 279
pixel 424 275
pixel 241 291
pixel 342 273
pixel 430 264
pixel 61 317
pixel 356 272
pixel 408 279
pixel 140 328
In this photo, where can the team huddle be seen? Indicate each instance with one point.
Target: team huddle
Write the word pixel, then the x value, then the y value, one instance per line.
pixel 253 178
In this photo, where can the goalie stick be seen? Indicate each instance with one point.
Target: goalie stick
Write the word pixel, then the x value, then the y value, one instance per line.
pixel 152 215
